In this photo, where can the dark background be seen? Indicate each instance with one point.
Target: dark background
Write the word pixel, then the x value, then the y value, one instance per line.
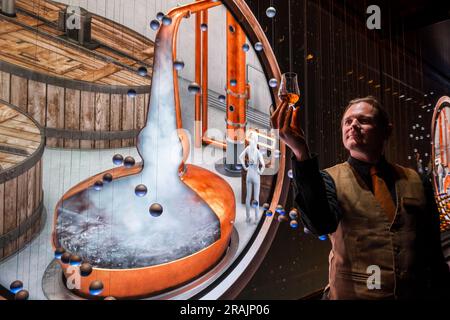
pixel 405 64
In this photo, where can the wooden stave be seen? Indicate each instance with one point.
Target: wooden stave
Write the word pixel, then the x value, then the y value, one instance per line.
pixel 121 126
pixel 21 200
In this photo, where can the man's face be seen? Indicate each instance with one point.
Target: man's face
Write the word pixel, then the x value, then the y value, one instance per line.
pixel 360 131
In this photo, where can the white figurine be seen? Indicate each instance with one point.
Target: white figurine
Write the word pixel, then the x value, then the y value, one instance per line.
pixel 254 169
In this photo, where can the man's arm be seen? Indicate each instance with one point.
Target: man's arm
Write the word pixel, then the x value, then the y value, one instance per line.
pixel 315 195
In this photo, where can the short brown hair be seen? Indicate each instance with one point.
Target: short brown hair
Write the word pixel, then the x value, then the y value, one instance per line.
pixel 382 117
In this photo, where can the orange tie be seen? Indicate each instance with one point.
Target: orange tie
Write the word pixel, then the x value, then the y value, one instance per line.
pixel 382 194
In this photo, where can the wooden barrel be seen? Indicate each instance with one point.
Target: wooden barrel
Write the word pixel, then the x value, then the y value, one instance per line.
pixel 78 94
pixel 21 197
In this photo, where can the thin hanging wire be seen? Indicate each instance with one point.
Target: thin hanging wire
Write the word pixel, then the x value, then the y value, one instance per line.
pixel 290 36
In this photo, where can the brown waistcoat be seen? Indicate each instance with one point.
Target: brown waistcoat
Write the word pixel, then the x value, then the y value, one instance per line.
pixel 365 237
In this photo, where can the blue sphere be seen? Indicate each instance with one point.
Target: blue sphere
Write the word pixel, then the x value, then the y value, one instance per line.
pixel 95 288
pixel 255 204
pixel 290 174
pixel 132 93
pixel 154 25
pixel 22 295
pixel 258 46
pixel 140 190
pixel 194 88
pixel 276 153
pixel 273 83
pixel 59 252
pixel 233 82
pixel 16 286
pixel 178 65
pixel 166 20
pixel 129 161
pixel 293 214
pixel 156 210
pixel 85 269
pixel 306 230
pixel 142 71
pixel 269 213
pixel 160 16
pixel 294 224
pixel 98 185
pixel 75 260
pixel 107 177
pixel 271 12
pixel 323 238
pixel 245 47
pixel 203 27
pixel 266 206
pixel 279 208
pixel 222 98
pixel 117 159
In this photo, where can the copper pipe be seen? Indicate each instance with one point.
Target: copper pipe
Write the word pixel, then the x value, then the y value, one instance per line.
pixel 185 11
pixel 236 95
pixel 215 143
pixel 198 77
pixel 204 74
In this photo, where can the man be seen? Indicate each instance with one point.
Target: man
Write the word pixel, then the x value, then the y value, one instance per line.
pixel 381 218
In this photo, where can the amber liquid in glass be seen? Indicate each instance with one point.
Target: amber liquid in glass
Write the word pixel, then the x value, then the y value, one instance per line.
pixel 290 98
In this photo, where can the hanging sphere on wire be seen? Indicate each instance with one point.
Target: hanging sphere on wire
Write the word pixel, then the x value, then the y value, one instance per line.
pixel 233 82
pixel 279 208
pixel 294 224
pixel 142 71
pixel 194 88
pixel 178 65
pixel 258 46
pixel 98 185
pixel 271 12
pixel 22 295
pixel 306 230
pixel 132 93
pixel 129 161
pixel 290 174
pixel 166 20
pixel 222 98
pixel 245 47
pixel 140 190
pixel 269 213
pixel 85 269
pixel 59 252
pixel 75 260
pixel 117 159
pixel 160 16
pixel 266 206
pixel 282 218
pixel 65 258
pixel 203 27
pixel 107 177
pixel 255 203
pixel 323 237
pixel 273 83
pixel 16 286
pixel 154 25
pixel 293 214
pixel 96 287
pixel 156 210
